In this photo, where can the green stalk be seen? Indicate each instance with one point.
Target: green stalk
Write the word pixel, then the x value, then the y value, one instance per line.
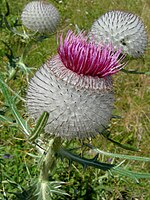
pixel 49 160
pixel 47 167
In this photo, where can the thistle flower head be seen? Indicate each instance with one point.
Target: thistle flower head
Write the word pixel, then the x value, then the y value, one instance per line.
pixel 124 30
pixel 40 16
pixel 75 88
pixel 83 57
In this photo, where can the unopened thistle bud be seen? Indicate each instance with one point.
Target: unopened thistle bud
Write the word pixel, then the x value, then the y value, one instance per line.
pixel 124 30
pixel 40 16
pixel 75 87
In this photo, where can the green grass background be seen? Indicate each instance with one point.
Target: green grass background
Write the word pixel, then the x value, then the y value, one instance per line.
pixel 132 94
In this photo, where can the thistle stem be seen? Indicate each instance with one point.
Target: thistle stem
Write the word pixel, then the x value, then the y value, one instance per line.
pixel 50 159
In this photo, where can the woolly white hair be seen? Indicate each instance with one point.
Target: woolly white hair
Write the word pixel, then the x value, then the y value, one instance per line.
pixel 124 30
pixel 40 16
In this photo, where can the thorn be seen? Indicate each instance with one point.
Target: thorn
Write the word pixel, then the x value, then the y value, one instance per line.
pixel 84 166
pixel 7 6
pixel 70 162
pixel 95 157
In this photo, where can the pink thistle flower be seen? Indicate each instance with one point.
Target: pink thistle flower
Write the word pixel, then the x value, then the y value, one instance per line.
pixel 88 59
pixel 75 88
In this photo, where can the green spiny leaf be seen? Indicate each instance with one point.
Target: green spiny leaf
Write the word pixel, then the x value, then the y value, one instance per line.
pixel 10 102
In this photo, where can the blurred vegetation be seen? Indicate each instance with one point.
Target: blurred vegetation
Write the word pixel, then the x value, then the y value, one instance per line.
pixel 132 92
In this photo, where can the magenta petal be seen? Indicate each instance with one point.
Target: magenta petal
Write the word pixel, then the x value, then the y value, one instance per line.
pixel 86 58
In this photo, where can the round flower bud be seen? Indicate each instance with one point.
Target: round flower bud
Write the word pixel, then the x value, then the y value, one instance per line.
pixel 75 88
pixel 124 30
pixel 40 16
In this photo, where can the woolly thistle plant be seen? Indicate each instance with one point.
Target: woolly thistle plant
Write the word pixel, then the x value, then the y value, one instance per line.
pixel 122 29
pixel 75 87
pixel 40 16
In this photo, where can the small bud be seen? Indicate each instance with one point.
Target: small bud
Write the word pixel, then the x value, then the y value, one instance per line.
pixel 40 16
pixel 124 30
